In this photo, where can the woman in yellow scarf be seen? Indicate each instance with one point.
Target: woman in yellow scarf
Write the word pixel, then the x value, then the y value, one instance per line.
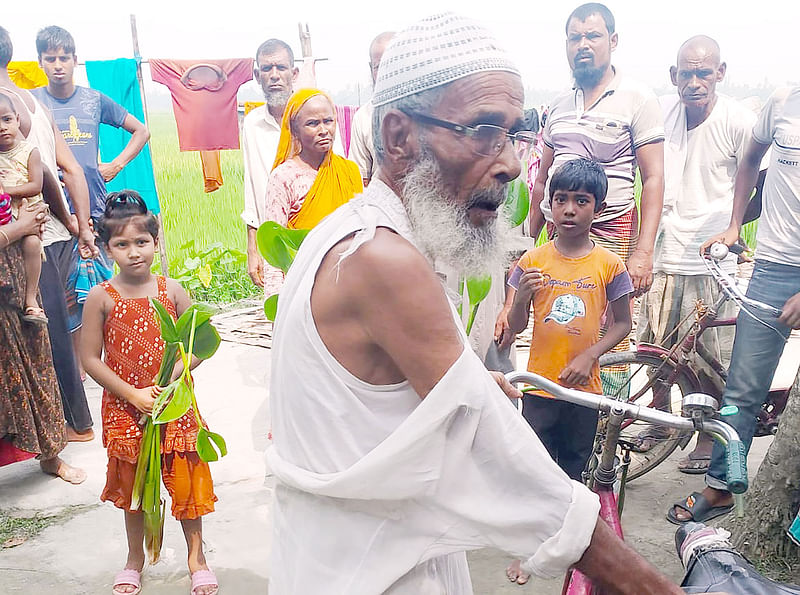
pixel 308 181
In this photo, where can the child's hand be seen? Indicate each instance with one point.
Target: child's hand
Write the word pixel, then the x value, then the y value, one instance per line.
pixel 531 281
pixel 143 398
pixel 578 370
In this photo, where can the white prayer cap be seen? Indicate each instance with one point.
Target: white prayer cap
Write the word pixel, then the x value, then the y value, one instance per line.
pixel 436 51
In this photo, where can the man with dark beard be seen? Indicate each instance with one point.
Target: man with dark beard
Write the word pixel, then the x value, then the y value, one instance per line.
pixel 394 450
pixel 611 119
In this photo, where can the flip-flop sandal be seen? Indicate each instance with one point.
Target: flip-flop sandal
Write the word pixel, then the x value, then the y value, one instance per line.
pixel 127 578
pixel 34 316
pixel 698 506
pixel 204 578
pixel 694 465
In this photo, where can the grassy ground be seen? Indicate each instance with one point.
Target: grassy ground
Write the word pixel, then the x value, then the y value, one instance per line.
pixel 208 220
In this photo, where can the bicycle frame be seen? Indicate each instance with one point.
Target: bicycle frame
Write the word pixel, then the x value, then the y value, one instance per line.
pixel 605 475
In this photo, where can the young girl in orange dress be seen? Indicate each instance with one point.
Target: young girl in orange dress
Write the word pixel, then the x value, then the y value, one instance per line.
pixel 119 320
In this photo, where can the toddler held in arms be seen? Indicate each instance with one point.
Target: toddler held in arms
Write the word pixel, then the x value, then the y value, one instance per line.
pixel 21 178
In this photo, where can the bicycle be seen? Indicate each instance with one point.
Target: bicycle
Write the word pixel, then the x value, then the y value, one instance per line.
pixel 659 377
pixel 700 415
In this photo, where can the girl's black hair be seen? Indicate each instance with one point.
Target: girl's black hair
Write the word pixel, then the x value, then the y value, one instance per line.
pixel 581 174
pixel 121 207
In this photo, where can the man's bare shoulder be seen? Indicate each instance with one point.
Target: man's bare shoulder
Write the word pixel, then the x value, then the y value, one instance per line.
pixel 386 261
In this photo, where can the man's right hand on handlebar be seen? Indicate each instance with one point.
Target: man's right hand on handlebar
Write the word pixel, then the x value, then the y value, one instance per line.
pixel 728 237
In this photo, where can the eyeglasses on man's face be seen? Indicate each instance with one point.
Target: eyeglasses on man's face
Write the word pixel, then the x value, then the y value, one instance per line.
pixel 488 140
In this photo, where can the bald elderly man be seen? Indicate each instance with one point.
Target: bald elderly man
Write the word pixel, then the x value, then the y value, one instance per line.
pixel 395 451
pixel 706 136
pixel 361 147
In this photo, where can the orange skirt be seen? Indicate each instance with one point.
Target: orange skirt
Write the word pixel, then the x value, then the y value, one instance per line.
pixel 186 476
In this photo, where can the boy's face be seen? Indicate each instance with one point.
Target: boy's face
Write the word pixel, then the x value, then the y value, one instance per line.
pixel 58 66
pixel 9 126
pixel 573 211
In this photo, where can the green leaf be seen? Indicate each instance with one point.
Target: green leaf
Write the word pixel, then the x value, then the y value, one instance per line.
pixel 478 288
pixel 168 332
pixel 278 245
pixel 271 307
pixel 219 441
pixel 177 406
pixel 517 202
pixel 163 397
pixel 184 324
pixel 192 263
pixel 206 341
pixel 204 448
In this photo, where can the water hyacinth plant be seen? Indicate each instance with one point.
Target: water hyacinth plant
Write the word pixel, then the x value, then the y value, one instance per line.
pixel 191 334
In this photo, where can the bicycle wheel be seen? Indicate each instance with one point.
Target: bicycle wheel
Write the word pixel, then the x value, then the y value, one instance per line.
pixel 648 381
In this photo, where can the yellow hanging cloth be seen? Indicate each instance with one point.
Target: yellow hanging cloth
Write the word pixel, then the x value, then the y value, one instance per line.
pixel 27 75
pixel 338 179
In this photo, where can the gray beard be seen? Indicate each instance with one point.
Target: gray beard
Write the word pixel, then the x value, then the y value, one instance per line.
pixel 442 229
pixel 277 98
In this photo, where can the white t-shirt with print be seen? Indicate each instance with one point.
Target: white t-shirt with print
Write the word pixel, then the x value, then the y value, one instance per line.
pixel 779 227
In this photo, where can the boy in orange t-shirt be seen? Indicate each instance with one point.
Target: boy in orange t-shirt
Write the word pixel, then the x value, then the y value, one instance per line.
pixel 570 282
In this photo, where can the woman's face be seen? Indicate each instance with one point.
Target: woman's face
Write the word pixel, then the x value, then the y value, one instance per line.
pixel 315 126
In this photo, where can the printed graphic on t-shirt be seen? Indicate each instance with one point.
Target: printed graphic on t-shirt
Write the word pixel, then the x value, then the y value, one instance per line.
pixel 566 308
pixel 74 135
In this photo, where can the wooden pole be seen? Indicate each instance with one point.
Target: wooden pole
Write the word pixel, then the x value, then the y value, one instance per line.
pixel 162 240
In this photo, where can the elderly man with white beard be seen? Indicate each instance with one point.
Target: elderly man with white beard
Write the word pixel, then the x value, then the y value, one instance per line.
pixel 395 451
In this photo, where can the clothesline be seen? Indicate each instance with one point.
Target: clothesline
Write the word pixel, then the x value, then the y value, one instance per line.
pixel 148 61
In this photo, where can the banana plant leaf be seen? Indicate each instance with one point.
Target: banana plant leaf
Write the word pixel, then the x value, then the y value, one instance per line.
pixel 278 245
pixel 518 201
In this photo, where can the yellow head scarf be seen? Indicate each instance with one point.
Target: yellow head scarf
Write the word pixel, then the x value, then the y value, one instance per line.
pixel 338 179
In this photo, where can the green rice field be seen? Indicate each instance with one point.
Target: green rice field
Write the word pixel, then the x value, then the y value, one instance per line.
pixel 209 220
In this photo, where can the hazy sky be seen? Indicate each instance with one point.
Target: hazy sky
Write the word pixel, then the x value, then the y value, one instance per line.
pixel 758 39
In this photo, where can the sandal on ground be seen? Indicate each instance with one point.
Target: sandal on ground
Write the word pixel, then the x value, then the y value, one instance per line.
pixel 127 578
pixel 694 464
pixel 204 578
pixel 697 505
pixel 34 315
pixel 648 438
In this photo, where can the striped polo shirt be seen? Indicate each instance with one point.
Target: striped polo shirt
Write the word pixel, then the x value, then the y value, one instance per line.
pixel 625 117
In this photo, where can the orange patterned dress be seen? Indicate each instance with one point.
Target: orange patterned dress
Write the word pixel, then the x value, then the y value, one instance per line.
pixel 133 350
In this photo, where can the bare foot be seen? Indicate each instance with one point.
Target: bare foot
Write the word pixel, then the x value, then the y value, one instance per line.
pixel 75 436
pixel 59 468
pixel 515 573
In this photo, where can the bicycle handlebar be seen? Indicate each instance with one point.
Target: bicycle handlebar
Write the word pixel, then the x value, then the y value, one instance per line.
pixel 717 252
pixel 735 453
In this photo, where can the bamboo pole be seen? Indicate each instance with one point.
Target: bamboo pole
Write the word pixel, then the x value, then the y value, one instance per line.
pixel 162 240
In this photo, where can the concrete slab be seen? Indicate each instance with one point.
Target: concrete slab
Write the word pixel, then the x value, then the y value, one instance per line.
pixel 82 553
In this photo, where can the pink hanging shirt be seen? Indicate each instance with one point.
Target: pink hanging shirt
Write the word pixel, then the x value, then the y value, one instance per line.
pixel 204 99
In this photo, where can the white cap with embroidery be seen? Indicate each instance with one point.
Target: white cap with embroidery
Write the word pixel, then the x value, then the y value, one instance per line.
pixel 435 51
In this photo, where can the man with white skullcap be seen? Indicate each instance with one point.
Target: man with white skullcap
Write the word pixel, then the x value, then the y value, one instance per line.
pixel 395 451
